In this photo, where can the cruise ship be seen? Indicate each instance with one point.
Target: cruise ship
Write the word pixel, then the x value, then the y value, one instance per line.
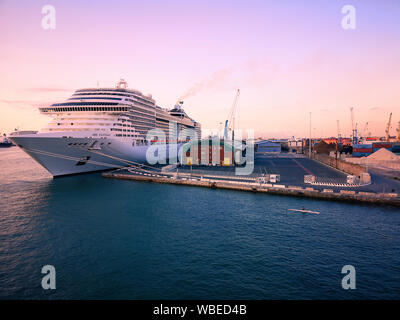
pixel 104 128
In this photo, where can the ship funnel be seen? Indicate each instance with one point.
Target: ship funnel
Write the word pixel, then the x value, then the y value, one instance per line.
pixel 178 105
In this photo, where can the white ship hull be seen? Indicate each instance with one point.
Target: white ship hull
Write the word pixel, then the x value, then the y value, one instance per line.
pixel 74 155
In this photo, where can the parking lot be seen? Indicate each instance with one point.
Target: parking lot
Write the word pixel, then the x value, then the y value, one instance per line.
pixel 293 167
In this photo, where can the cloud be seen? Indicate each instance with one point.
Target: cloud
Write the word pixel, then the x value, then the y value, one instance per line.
pixel 25 103
pixel 48 89
pixel 17 101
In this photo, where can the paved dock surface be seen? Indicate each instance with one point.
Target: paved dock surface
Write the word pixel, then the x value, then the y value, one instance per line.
pixel 291 169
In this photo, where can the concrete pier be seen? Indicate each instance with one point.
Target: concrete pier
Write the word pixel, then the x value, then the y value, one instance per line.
pixel 277 189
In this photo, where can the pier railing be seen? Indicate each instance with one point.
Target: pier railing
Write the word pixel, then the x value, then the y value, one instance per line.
pixel 326 194
pixel 335 182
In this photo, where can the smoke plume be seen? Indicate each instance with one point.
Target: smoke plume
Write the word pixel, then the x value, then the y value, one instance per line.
pixel 216 80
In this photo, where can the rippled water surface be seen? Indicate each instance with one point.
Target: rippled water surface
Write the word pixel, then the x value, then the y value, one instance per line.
pixel 130 240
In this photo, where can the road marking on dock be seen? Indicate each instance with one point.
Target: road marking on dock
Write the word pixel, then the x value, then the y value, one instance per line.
pixel 301 166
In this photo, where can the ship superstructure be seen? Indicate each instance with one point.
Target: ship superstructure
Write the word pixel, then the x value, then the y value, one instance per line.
pixel 102 128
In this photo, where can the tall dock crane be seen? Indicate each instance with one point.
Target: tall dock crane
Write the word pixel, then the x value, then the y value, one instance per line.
pixel 398 133
pixel 388 127
pixel 230 122
pixel 353 128
pixel 339 142
pixel 352 119
pixel 365 132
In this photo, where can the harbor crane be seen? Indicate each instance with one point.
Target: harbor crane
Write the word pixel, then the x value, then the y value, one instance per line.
pixel 352 118
pixel 230 122
pixel 388 127
pixel 353 128
pixel 339 142
pixel 365 132
pixel 398 133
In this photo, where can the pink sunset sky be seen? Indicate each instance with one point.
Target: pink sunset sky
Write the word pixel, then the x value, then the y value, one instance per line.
pixel 288 58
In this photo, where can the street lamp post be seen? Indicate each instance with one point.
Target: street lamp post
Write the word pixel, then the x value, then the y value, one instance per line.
pixel 309 144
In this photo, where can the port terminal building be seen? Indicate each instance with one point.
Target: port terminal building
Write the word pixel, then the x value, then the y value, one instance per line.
pixel 267 146
pixel 213 152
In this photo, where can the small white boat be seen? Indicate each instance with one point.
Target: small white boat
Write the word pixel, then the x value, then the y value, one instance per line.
pixel 304 211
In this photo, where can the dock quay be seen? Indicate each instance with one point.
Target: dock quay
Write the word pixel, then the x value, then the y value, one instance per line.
pixel 251 184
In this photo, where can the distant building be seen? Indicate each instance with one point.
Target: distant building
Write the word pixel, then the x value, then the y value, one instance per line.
pixel 330 140
pixel 266 146
pixel 324 147
pixel 346 141
pixel 208 152
pixel 295 145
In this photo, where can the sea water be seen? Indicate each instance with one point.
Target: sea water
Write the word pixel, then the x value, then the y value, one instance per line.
pixel 115 239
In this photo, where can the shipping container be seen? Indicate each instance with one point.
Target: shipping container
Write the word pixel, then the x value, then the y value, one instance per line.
pixel 379 145
pixel 367 150
pixel 396 148
pixel 361 154
pixel 363 146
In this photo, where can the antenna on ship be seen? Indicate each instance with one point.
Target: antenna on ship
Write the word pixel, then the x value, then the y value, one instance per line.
pixel 122 84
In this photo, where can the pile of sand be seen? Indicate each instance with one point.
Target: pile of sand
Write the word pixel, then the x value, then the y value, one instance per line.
pixel 383 155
